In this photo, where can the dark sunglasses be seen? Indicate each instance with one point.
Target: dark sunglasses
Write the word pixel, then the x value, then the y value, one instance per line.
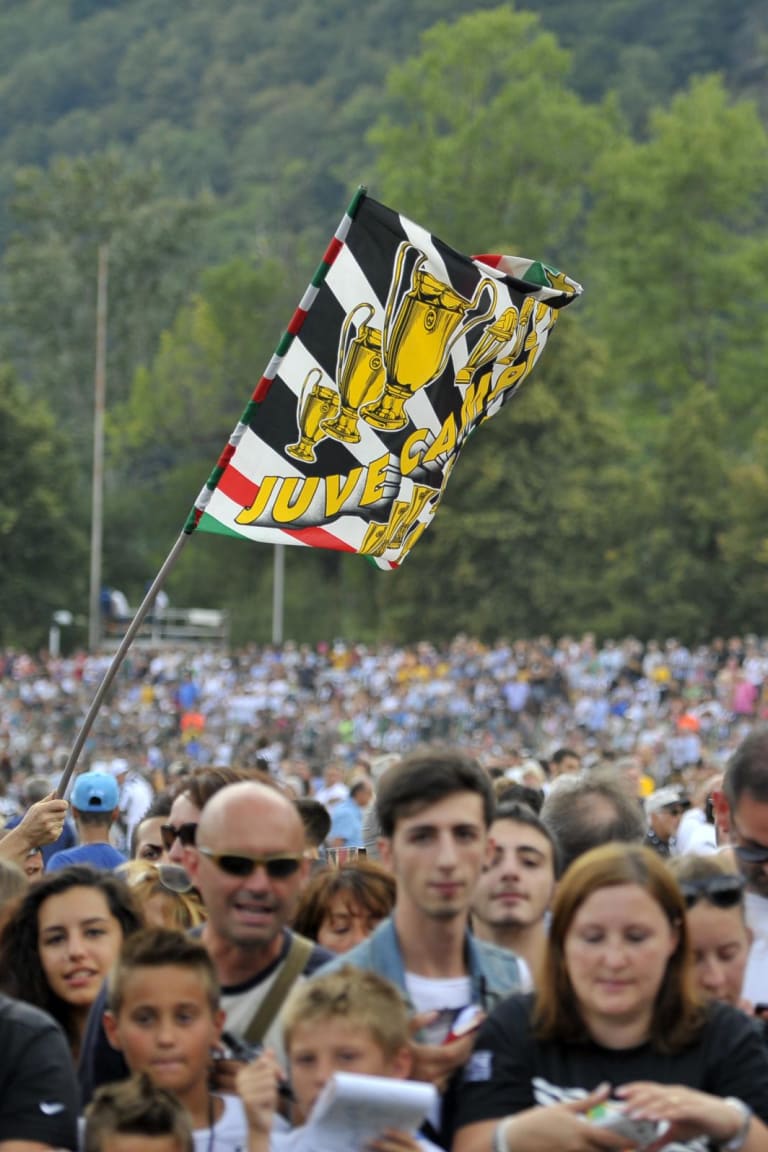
pixel 722 891
pixel 675 809
pixel 277 867
pixel 754 855
pixel 185 832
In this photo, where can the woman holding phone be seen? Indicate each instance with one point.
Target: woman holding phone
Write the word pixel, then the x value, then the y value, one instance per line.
pixel 617 1048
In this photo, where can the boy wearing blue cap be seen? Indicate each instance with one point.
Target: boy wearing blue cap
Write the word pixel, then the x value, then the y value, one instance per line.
pixel 94 801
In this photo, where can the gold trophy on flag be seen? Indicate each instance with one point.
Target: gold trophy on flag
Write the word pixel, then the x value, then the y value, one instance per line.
pixel 420 328
pixel 316 402
pixel 511 324
pixel 360 374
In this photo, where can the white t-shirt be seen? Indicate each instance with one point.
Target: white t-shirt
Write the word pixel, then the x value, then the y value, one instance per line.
pixel 695 835
pixel 447 997
pixel 755 987
pixel 230 1132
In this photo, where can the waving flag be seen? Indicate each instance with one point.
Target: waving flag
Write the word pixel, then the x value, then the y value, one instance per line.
pixel 399 348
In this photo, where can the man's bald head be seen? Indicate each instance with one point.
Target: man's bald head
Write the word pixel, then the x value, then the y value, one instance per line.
pixel 248 909
pixel 246 808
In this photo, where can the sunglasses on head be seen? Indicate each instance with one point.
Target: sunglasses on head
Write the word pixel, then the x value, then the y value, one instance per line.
pixel 170 876
pixel 185 832
pixel 278 867
pixel 722 891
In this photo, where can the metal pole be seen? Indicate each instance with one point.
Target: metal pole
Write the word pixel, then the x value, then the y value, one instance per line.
pixel 278 594
pixel 99 402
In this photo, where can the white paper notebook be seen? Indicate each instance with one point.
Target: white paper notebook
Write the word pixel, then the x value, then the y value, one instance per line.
pixel 353 1110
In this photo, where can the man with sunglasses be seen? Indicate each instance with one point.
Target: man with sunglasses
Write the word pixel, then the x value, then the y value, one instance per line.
pixel 249 866
pixel 742 810
pixel 244 854
pixel 664 809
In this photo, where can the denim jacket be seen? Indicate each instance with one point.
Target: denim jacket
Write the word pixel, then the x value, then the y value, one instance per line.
pixel 494 972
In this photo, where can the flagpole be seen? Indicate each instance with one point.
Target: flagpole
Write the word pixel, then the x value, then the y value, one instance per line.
pixel 118 659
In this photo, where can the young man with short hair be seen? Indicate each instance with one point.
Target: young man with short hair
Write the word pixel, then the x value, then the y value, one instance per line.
pixel 514 892
pixel 435 807
pixel 93 800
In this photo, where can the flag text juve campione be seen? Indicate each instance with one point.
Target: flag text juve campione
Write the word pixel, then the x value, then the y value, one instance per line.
pixel 399 348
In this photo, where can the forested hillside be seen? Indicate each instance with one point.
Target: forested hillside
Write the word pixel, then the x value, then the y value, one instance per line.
pixel 214 147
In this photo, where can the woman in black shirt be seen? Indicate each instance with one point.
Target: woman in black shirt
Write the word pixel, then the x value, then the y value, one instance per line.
pixel 616 1033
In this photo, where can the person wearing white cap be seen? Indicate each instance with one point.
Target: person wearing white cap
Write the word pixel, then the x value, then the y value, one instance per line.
pixel 664 809
pixel 94 807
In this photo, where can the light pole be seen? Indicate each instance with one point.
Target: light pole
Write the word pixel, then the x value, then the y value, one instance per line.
pixel 278 594
pixel 97 491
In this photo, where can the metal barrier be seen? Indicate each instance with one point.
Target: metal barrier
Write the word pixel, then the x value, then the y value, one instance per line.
pixel 173 627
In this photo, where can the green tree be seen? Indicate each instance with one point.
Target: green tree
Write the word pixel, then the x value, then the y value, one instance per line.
pixel 43 548
pixel 482 139
pixel 744 539
pixel 679 236
pixel 668 575
pixel 540 501
pixel 182 407
pixel 62 216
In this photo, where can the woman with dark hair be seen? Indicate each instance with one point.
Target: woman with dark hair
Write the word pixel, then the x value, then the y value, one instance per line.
pixel 341 906
pixel 616 1049
pixel 64 936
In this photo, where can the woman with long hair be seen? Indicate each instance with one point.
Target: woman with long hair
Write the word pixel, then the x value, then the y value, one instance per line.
pixel 617 1048
pixel 64 936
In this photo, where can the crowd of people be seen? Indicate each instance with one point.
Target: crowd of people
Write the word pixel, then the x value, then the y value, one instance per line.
pixel 340 701
pixel 479 899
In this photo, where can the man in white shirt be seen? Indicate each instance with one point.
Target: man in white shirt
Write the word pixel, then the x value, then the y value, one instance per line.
pixel 136 795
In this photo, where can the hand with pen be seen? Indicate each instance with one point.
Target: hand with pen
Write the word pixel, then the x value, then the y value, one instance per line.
pixel 258 1085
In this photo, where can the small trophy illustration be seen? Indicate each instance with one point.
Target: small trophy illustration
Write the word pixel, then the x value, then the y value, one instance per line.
pixel 420 328
pixel 491 342
pixel 316 402
pixel 360 374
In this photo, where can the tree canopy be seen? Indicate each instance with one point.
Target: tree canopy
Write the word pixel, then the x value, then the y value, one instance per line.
pixel 214 149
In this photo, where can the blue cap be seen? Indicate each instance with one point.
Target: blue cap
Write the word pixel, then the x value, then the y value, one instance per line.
pixel 95 792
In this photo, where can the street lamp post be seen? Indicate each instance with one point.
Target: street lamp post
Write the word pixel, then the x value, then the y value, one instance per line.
pixel 97 491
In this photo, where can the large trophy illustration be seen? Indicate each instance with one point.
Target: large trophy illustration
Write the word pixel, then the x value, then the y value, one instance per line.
pixel 420 328
pixel 360 374
pixel 316 402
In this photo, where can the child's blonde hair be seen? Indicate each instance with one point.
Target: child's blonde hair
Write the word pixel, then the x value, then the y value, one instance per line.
pixel 356 995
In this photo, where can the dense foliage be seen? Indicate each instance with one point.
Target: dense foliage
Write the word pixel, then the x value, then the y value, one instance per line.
pixel 213 148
